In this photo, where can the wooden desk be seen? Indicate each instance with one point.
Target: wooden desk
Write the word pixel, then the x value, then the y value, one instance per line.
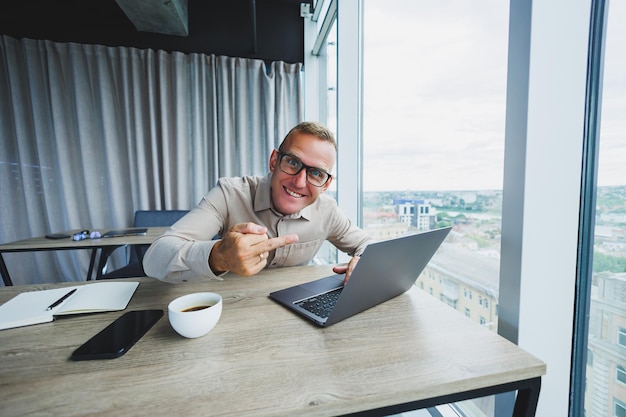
pixel 102 247
pixel 262 360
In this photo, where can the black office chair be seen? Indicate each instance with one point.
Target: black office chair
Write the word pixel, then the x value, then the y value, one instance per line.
pixel 144 218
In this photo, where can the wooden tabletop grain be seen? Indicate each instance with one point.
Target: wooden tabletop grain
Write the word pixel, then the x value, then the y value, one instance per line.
pixel 260 359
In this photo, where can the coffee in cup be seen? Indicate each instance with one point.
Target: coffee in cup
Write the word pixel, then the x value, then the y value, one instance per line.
pixel 194 315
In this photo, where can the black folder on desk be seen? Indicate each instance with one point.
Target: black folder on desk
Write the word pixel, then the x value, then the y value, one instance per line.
pixel 134 231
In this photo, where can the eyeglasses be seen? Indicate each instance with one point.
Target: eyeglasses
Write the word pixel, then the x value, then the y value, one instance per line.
pixel 86 235
pixel 291 165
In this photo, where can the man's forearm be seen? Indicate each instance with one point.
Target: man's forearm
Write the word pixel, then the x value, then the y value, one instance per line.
pixel 172 258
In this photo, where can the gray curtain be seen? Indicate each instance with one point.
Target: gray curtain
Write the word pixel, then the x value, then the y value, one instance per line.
pixel 89 134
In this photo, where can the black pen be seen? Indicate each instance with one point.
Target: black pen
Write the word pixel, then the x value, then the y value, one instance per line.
pixel 60 300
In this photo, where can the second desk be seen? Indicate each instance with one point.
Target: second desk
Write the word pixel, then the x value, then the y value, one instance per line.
pixel 100 248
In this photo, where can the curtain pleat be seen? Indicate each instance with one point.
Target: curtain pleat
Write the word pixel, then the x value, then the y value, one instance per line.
pixel 90 134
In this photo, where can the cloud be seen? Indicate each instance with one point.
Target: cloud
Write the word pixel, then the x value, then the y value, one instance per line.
pixel 434 95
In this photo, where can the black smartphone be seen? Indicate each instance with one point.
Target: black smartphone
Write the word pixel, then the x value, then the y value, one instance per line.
pixel 118 337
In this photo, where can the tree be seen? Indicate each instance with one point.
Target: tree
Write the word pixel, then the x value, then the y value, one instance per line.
pixel 607 263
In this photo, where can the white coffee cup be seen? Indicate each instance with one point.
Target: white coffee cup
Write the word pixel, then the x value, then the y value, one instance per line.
pixel 194 315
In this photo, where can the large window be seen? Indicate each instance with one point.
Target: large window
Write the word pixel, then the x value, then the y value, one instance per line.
pixel 433 142
pixel 605 393
pixel 419 94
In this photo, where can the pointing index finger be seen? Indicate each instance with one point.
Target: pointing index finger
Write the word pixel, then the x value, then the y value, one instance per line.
pixel 278 242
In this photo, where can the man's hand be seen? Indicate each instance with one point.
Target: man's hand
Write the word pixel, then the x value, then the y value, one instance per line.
pixel 346 269
pixel 244 249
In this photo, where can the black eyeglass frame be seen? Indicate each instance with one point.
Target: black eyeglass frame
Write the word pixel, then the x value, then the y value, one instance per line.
pixel 282 155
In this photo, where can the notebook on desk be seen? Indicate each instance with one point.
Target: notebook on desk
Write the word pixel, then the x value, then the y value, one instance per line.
pixel 386 269
pixel 134 231
pixel 42 306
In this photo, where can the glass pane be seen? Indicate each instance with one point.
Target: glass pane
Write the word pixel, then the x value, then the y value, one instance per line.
pixel 331 78
pixel 434 113
pixel 434 121
pixel 605 394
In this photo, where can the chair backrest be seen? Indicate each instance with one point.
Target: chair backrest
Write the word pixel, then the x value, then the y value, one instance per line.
pixel 155 218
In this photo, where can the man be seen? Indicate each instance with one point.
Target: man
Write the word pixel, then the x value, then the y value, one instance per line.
pixel 277 220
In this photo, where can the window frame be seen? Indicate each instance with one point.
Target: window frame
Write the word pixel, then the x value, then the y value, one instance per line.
pixel 620 375
pixel 617 403
pixel 586 226
pixel 621 335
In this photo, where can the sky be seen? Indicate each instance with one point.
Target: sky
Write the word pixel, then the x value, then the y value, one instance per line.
pixel 446 97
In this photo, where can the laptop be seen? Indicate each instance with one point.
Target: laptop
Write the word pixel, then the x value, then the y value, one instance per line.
pixel 386 269
pixel 135 231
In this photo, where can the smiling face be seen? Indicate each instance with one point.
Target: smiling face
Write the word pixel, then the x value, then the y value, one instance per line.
pixel 292 193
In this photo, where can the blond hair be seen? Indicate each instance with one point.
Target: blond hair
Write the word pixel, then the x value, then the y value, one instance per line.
pixel 311 128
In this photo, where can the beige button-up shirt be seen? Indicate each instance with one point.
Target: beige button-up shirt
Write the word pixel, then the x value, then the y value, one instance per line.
pixel 182 253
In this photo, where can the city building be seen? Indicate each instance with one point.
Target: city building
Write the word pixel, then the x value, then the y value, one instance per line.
pixel 606 367
pixel 465 280
pixel 415 213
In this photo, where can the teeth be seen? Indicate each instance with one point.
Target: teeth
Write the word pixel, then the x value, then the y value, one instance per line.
pixel 293 194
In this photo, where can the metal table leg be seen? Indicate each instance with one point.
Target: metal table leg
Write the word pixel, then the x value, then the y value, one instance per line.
pixel 5 272
pixel 527 399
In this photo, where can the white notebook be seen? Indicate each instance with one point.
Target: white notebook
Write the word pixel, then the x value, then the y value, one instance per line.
pixel 32 307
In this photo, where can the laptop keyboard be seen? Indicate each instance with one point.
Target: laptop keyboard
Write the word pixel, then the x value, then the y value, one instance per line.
pixel 321 304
